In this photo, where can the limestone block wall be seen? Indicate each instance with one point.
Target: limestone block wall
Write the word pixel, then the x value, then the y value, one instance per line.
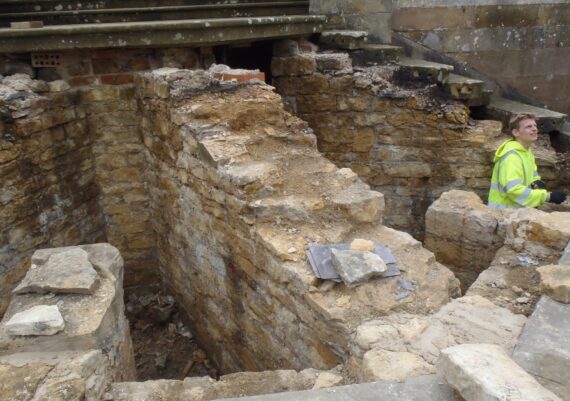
pixel 48 189
pixel 238 192
pixel 117 151
pixel 524 44
pixel 410 144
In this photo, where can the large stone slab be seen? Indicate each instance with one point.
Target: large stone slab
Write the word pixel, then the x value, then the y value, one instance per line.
pixel 484 372
pixel 543 349
pixel 40 320
pixel 565 258
pixel 356 267
pixel 555 282
pixel 66 272
pixel 423 388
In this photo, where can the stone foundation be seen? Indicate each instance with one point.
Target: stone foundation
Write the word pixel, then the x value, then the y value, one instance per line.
pixel 228 161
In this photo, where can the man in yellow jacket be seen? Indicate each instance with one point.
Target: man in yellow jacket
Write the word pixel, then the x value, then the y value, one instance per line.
pixel 515 182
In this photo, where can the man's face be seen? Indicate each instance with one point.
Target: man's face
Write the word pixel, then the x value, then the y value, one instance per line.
pixel 527 133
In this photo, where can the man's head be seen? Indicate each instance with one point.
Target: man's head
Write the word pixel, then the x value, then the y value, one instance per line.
pixel 524 129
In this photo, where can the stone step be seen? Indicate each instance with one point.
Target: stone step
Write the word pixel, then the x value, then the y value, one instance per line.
pixel 343 39
pixel 372 54
pixel 465 89
pixel 103 15
pixel 20 6
pixel 423 71
pixel 503 109
pixel 203 32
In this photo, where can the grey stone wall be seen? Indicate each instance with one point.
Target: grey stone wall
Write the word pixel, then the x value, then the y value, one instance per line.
pixel 524 45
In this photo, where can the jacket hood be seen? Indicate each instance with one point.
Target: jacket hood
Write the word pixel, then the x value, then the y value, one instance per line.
pixel 507 146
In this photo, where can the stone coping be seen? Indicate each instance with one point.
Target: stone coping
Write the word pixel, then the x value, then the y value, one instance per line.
pixel 154 9
pixel 203 32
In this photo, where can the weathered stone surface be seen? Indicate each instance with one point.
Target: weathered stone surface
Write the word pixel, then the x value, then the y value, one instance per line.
pixel 423 388
pixel 62 376
pixel 232 385
pixel 332 61
pixel 543 349
pixel 565 258
pixel 94 321
pixel 555 282
pixel 470 319
pixel 356 266
pixel 65 272
pixel 360 203
pixel 485 372
pixel 380 364
pixel 301 64
pixel 344 39
pixel 551 230
pixel 458 226
pixel 40 320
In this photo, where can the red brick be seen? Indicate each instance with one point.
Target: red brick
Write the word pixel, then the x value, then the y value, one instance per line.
pixel 228 76
pixel 117 79
pixel 82 81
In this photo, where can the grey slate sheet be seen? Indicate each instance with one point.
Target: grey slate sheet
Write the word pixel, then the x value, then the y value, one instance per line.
pixel 320 260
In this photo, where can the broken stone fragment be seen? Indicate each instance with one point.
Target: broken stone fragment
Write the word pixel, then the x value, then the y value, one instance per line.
pixel 355 267
pixel 484 372
pixel 360 244
pixel 380 364
pixel 360 203
pixel 41 320
pixel 555 282
pixel 565 258
pixel 65 272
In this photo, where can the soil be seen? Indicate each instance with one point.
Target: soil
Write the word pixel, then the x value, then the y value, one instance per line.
pixel 163 345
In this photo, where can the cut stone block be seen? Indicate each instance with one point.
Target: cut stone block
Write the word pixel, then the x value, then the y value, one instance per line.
pixel 422 71
pixel 333 62
pixel 218 151
pixel 65 272
pixel 360 203
pixel 372 54
pixel 344 39
pixel 484 372
pixel 379 364
pixel 551 230
pixel 248 173
pixel 356 267
pixel 465 89
pixel 555 282
pixel 40 320
pixel 503 109
pixel 543 348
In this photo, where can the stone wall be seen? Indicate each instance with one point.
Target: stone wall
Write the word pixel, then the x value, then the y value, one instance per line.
pixel 117 151
pixel 372 16
pixel 523 44
pixel 238 193
pixel 102 66
pixel 48 193
pixel 410 144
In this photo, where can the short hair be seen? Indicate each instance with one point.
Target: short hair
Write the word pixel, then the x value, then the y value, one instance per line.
pixel 515 121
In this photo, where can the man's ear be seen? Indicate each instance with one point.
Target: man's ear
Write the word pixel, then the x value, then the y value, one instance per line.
pixel 515 133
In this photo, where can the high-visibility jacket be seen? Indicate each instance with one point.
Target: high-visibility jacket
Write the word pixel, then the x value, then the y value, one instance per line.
pixel 514 171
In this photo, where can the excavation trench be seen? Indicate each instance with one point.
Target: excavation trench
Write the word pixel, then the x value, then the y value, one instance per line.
pixel 216 189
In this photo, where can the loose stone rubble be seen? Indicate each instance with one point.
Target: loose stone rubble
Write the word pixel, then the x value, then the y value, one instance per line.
pixel 356 267
pixel 555 282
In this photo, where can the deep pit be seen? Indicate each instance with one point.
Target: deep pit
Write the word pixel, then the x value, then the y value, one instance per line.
pixel 217 189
